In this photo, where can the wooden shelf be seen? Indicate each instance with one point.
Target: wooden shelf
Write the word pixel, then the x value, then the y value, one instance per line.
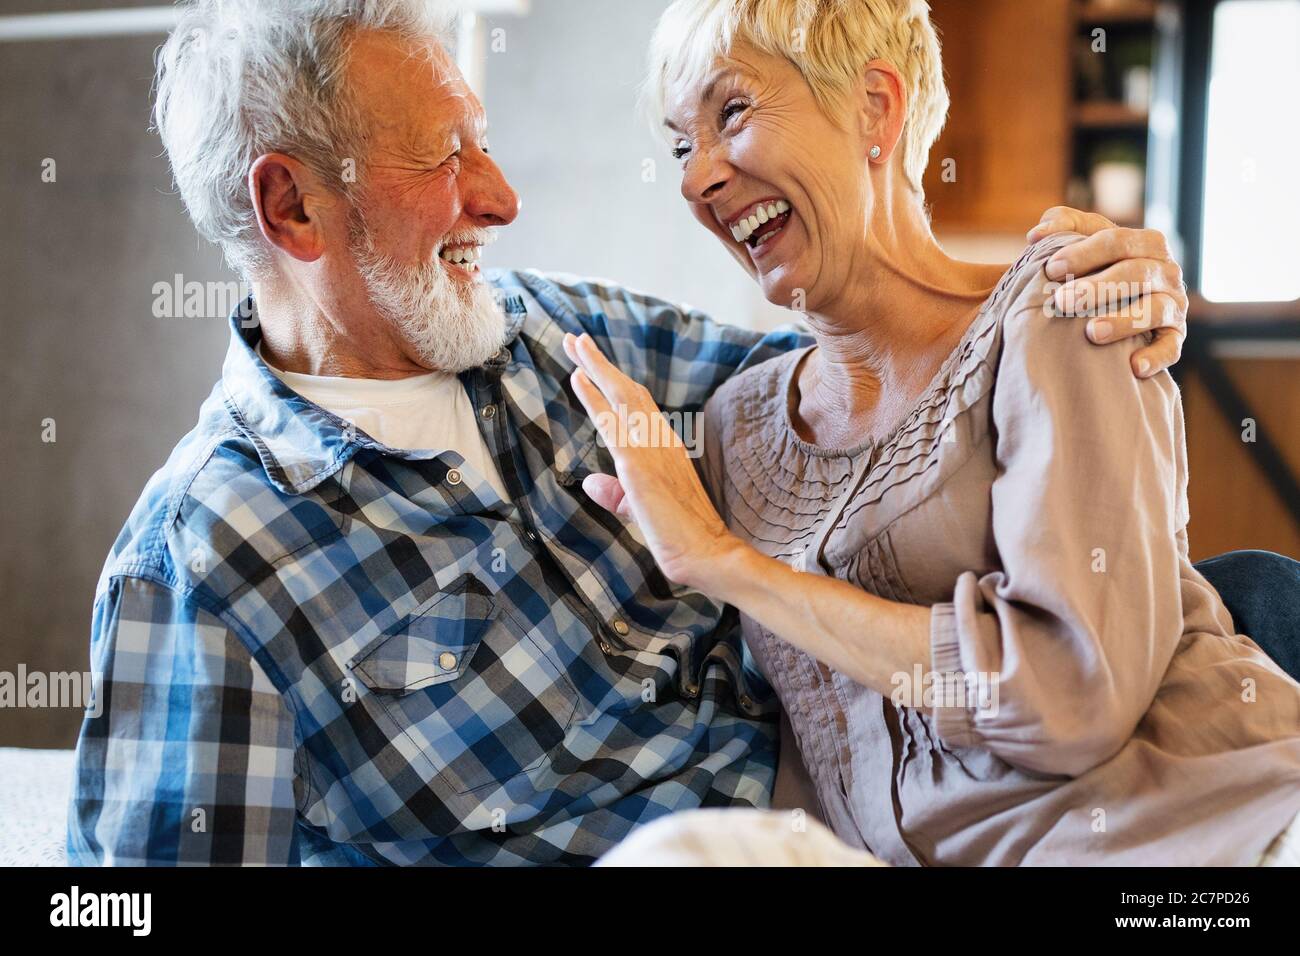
pixel 1011 158
pixel 1100 14
pixel 1103 114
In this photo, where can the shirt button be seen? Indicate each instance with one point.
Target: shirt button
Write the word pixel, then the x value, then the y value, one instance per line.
pixel 620 627
pixel 447 661
pixel 692 689
pixel 454 476
pixel 489 411
pixel 746 702
pixel 605 647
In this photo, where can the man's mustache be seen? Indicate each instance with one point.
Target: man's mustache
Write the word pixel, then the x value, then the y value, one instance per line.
pixel 481 236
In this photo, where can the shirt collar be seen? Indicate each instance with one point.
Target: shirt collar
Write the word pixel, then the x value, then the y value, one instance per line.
pixel 298 443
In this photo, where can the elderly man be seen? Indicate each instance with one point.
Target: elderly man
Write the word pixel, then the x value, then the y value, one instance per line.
pixel 365 613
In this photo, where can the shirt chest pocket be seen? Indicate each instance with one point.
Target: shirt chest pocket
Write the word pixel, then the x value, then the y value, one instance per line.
pixel 482 701
pixel 580 453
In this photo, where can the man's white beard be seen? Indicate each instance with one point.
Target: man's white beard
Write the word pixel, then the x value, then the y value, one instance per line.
pixel 451 326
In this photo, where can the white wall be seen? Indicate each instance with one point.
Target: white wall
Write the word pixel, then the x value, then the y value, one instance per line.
pixel 560 101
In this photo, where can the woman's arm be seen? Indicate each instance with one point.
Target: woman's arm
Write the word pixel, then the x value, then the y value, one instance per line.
pixel 868 638
pixel 874 641
pixel 1077 628
pixel 1080 623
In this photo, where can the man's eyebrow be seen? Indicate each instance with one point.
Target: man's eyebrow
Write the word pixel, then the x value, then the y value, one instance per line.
pixel 425 142
pixel 478 122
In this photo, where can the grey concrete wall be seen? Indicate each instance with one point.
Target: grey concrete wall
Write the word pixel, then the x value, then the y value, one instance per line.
pixel 79 342
pixel 79 258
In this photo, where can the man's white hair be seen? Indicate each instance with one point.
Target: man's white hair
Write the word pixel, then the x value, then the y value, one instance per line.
pixel 240 78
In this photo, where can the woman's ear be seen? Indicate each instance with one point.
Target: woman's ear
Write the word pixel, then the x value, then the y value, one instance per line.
pixel 883 109
pixel 286 197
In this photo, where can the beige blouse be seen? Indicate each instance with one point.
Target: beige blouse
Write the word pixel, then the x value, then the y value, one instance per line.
pixel 1097 705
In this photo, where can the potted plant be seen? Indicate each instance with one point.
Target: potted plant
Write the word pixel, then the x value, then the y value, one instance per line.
pixel 1118 180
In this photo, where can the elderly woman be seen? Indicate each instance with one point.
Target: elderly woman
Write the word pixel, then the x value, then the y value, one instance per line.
pixel 958 545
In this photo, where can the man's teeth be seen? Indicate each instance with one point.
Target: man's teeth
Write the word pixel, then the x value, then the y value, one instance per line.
pixel 743 229
pixel 462 255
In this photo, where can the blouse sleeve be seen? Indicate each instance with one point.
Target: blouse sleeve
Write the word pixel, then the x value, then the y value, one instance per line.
pixel 1070 639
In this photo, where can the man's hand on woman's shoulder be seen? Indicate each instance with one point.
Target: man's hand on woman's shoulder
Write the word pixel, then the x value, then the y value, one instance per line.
pixel 1125 281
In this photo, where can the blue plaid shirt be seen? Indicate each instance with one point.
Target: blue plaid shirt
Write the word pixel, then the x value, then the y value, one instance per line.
pixel 313 648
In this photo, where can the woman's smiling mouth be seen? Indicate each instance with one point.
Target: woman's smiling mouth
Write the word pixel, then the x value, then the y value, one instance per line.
pixel 757 224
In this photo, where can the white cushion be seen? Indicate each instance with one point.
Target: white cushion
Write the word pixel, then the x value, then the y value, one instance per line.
pixel 35 786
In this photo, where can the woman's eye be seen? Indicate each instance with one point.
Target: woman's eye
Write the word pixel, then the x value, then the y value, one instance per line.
pixel 732 108
pixel 679 151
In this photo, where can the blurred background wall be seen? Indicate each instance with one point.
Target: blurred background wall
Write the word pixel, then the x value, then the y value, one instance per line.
pixel 1035 114
pixel 1173 115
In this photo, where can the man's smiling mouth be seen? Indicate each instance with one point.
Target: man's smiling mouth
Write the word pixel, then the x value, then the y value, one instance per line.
pixel 760 222
pixel 464 255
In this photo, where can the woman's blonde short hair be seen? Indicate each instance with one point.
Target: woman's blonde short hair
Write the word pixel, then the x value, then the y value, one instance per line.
pixel 828 41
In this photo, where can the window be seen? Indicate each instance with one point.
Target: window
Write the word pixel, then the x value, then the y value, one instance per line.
pixel 1250 237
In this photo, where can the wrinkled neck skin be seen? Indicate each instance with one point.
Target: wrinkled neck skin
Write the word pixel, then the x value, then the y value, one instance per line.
pixel 328 328
pixel 882 338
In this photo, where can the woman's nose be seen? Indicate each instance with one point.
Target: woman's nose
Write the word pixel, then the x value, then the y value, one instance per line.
pixel 704 177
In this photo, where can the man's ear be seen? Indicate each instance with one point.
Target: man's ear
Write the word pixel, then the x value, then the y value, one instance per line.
pixel 883 110
pixel 288 199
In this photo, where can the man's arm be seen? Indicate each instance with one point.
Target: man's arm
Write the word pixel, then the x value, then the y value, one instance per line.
pixel 187 752
pixel 680 354
pixel 1125 282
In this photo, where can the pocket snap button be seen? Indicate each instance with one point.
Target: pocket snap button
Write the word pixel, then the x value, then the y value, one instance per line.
pixel 447 661
pixel 454 477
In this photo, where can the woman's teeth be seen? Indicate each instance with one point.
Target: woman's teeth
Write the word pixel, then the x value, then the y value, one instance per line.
pixel 461 255
pixel 766 236
pixel 761 214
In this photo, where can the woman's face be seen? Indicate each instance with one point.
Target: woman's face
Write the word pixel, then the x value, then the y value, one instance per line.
pixel 753 140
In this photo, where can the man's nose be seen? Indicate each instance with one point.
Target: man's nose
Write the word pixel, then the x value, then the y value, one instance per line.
pixel 490 200
pixel 705 177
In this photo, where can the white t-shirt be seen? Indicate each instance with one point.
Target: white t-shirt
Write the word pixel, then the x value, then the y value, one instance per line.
pixel 429 412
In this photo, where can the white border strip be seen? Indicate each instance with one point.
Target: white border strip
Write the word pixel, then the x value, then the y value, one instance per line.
pixel 135 21
pixel 88 23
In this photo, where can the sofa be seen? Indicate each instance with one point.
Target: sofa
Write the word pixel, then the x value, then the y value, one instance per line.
pixel 34 790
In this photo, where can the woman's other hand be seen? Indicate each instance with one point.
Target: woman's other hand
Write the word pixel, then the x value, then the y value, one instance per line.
pixel 656 486
pixel 1099 275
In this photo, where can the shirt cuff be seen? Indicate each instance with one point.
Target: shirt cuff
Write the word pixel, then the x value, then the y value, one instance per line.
pixel 952 720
